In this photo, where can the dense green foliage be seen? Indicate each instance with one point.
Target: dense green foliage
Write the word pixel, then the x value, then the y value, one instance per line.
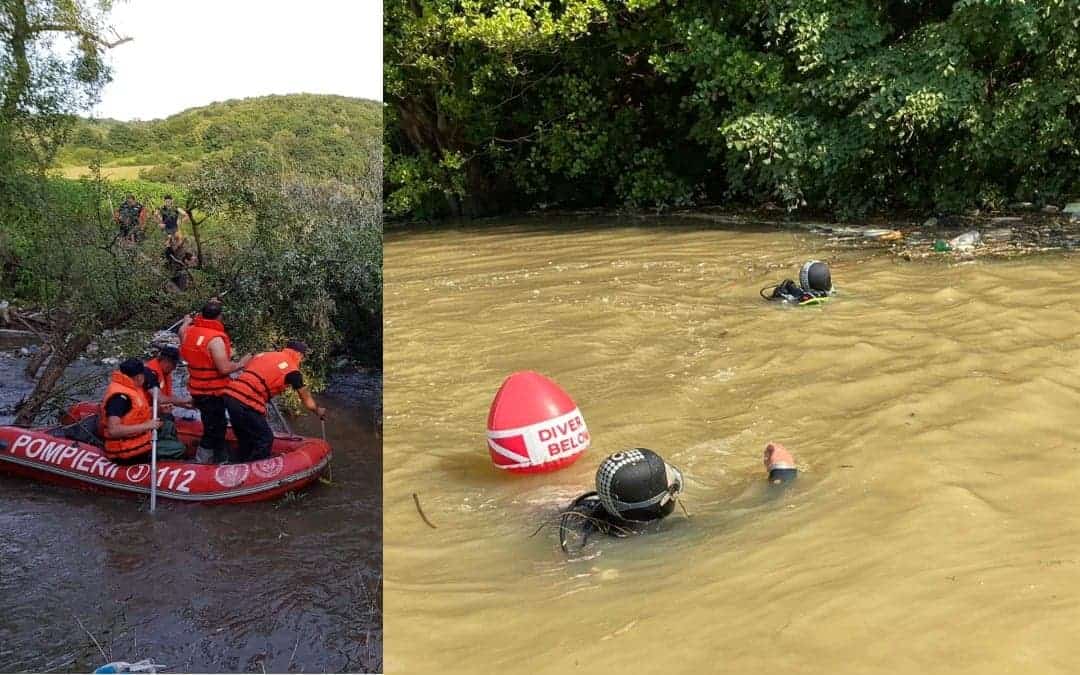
pixel 299 257
pixel 318 135
pixel 848 106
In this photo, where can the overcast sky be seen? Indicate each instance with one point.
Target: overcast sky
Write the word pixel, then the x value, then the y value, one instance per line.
pixel 192 52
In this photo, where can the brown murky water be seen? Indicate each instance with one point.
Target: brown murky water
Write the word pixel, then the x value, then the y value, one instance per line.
pixel 931 407
pixel 287 586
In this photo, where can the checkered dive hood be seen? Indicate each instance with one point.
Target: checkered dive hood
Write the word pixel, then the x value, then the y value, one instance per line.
pixel 638 485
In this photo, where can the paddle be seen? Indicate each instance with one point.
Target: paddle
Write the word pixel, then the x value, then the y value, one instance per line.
pixel 153 457
pixel 329 480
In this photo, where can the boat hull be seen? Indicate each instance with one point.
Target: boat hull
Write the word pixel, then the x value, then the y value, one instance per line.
pixel 40 455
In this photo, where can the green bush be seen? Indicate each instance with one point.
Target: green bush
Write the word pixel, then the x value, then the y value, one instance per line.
pixel 849 106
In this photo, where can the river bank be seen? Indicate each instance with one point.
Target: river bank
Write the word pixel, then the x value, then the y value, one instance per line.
pixel 1018 230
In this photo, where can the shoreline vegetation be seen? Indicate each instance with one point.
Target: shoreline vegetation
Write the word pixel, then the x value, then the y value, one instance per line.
pixel 842 107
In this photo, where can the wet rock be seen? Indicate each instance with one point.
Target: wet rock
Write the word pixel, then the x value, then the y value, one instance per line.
pixel 110 361
pixel 930 222
pixel 1001 220
pixel 1072 208
pixel 1021 206
pixel 1050 208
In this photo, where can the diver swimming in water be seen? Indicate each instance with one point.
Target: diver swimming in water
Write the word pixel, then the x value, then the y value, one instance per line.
pixel 633 487
pixel 636 487
pixel 814 287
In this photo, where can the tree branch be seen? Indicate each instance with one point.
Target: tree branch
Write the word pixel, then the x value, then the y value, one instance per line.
pixel 70 28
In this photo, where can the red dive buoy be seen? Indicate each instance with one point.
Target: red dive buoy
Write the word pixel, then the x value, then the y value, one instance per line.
pixel 534 426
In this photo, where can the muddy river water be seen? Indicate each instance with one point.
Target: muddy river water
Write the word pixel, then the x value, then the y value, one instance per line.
pixel 931 406
pixel 287 586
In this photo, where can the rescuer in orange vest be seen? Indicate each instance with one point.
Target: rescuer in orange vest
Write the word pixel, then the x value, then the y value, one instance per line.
pixel 163 365
pixel 206 347
pixel 161 368
pixel 246 397
pixel 125 418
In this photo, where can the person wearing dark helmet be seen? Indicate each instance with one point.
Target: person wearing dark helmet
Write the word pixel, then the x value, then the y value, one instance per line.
pixel 814 287
pixel 206 347
pixel 633 487
pixel 636 486
pixel 265 376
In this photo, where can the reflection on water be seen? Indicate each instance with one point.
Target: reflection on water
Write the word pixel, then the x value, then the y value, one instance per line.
pixel 289 586
pixel 930 406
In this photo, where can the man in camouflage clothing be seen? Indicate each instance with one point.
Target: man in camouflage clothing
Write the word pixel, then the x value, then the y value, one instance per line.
pixel 130 217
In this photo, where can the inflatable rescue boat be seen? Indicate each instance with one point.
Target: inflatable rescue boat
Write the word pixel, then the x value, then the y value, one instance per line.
pixel 71 455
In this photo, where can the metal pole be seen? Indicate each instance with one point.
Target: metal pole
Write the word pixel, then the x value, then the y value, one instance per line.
pixel 153 458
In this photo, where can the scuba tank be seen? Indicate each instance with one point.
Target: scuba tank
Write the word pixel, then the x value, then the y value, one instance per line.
pixel 633 487
pixel 814 287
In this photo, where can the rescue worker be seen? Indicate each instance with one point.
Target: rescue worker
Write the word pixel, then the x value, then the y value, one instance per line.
pixel 169 217
pixel 246 397
pixel 161 368
pixel 163 365
pixel 130 217
pixel 126 419
pixel 206 347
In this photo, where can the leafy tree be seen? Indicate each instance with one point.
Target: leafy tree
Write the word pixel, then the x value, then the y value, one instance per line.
pixel 843 105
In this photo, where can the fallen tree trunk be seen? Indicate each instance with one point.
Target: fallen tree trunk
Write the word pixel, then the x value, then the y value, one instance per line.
pixel 65 351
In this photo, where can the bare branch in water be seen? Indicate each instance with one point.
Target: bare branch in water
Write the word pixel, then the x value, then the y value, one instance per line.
pixel 416 499
pixel 96 643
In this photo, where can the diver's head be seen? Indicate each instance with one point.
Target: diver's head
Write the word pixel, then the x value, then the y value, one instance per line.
pixel 814 276
pixel 638 485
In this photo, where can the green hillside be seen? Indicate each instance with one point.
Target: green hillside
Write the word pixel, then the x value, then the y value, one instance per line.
pixel 314 134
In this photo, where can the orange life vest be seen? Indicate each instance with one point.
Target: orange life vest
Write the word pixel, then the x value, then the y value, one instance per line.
pixel 263 378
pixel 203 376
pixel 123 448
pixel 164 381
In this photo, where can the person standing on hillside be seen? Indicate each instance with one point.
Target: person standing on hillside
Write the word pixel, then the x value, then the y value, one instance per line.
pixel 130 217
pixel 169 216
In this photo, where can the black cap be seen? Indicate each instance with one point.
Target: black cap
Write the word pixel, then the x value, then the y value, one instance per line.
pixel 297 346
pixel 170 353
pixel 132 367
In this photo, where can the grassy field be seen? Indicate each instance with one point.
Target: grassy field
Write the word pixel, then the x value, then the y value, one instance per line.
pixel 127 172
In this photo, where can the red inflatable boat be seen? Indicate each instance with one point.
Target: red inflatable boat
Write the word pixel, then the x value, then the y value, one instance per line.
pixel 52 455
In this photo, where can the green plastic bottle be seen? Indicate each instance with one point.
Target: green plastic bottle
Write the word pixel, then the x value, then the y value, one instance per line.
pixel 941 246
